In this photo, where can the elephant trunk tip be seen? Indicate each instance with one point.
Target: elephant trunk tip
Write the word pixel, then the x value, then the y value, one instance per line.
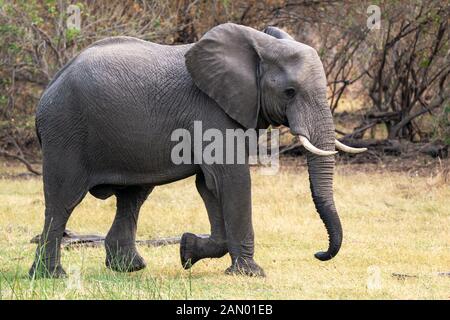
pixel 335 246
pixel 323 256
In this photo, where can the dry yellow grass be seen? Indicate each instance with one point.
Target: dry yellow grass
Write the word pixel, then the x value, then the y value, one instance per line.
pixel 393 224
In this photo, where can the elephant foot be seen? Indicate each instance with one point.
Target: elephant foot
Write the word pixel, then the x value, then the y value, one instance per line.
pixel 194 248
pixel 246 267
pixel 124 260
pixel 187 250
pixel 41 271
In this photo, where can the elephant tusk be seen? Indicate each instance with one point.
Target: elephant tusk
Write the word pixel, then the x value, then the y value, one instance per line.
pixel 308 146
pixel 343 147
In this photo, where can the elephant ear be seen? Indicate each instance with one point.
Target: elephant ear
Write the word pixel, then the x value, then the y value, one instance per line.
pixel 277 33
pixel 223 65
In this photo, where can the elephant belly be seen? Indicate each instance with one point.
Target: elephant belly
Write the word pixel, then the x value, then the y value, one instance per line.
pixel 131 148
pixel 104 185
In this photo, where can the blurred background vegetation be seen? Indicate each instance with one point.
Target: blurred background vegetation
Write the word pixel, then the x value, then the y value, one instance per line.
pixel 388 87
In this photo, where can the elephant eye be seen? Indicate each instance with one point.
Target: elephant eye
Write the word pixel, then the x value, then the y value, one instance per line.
pixel 290 92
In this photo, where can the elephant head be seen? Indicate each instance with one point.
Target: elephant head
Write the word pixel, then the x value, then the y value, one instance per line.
pixel 269 78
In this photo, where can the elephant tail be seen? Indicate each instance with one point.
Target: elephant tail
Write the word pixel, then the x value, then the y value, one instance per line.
pixel 37 132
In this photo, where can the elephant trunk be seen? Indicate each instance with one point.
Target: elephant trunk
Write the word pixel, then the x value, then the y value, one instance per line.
pixel 321 170
pixel 321 183
pixel 318 128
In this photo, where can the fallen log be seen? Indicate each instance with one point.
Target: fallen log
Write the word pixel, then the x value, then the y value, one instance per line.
pixel 72 240
pixel 435 149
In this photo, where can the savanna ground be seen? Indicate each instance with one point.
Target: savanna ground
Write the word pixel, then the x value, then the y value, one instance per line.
pixel 396 241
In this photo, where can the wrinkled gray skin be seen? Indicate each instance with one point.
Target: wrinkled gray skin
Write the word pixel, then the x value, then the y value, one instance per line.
pixel 106 119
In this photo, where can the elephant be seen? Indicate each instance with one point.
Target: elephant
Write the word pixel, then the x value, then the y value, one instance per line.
pixel 104 124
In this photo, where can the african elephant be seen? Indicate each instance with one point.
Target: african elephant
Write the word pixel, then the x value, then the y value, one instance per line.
pixel 104 123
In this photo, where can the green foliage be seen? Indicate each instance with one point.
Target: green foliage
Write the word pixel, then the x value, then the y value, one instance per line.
pixel 226 3
pixel 157 23
pixel 14 48
pixel 3 100
pixel 322 52
pixel 80 5
pixel 72 33
pixel 424 63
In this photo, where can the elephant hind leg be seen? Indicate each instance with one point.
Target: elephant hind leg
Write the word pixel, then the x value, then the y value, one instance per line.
pixel 194 248
pixel 63 191
pixel 120 242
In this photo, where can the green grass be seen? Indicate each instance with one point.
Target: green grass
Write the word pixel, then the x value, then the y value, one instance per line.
pixel 392 222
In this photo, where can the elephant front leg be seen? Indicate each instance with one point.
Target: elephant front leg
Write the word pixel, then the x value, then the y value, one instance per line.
pixel 194 248
pixel 233 189
pixel 120 242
